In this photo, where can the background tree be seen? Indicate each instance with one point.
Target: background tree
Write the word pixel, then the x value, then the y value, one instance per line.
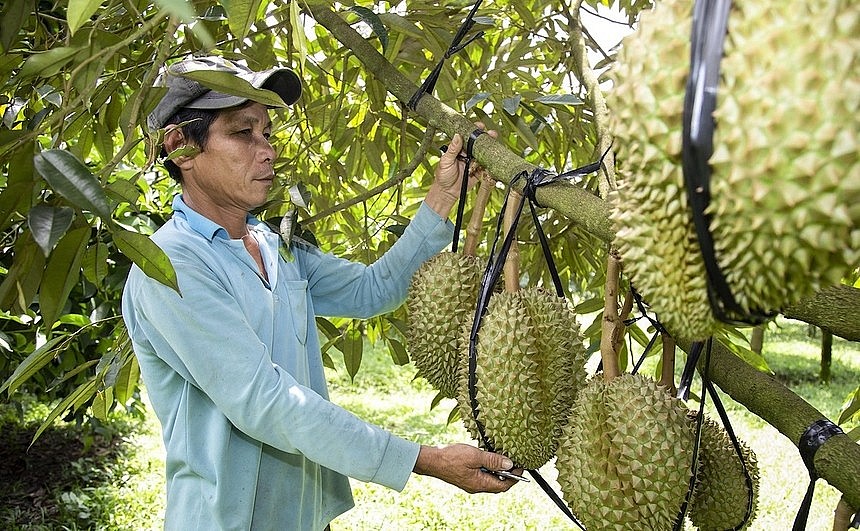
pixel 81 191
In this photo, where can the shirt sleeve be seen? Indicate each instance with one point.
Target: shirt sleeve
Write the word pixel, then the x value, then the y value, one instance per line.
pixel 348 289
pixel 203 336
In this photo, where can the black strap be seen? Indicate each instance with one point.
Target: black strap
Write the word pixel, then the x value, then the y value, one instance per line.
pixel 812 439
pixel 464 186
pixel 697 442
pixel 710 20
pixel 429 83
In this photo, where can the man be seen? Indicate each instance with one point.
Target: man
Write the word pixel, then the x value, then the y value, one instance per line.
pixel 232 365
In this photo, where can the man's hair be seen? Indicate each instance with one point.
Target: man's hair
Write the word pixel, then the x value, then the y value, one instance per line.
pixel 195 131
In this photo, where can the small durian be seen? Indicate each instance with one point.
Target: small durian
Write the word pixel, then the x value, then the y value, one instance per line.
pixel 721 497
pixel 624 458
pixel 785 181
pixel 529 366
pixel 442 296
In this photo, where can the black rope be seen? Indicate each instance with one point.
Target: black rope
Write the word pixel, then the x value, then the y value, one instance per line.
pixel 710 20
pixel 724 418
pixel 429 83
pixel 812 439
pixel 697 442
pixel 464 186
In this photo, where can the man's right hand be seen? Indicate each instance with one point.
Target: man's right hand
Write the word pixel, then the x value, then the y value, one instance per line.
pixel 461 465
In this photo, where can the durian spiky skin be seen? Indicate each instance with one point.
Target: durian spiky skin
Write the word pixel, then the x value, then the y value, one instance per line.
pixel 721 495
pixel 624 457
pixel 530 365
pixel 785 184
pixel 441 297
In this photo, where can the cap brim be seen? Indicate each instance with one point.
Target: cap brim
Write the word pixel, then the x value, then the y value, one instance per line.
pixel 282 81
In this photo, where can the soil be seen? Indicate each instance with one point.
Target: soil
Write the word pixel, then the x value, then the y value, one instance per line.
pixel 31 477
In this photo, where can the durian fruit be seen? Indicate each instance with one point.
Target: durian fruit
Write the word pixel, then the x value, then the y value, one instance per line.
pixel 721 496
pixel 441 297
pixel 530 365
pixel 785 183
pixel 530 361
pixel 624 458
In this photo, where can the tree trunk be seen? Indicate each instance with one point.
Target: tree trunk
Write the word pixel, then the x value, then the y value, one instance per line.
pixel 836 309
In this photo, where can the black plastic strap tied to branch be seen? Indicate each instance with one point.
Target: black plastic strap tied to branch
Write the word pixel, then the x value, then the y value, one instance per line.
pixel 456 45
pixel 710 21
pixel 464 187
pixel 812 439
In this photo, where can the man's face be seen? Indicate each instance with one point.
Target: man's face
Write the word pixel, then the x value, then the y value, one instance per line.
pixel 234 172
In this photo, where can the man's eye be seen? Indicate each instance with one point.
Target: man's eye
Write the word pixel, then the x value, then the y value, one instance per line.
pixel 244 132
pixel 267 135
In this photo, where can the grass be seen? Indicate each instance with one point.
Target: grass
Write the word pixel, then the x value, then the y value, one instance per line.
pixel 116 481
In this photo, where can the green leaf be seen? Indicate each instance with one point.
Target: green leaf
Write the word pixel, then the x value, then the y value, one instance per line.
pixel 147 255
pixel 126 381
pixel 22 280
pixel 851 408
pixel 79 12
pixel 330 330
pixel 372 19
pixel 559 99
pixel 102 403
pixel 70 178
pixel 398 351
pixel 594 304
pixel 184 10
pixel 14 13
pixel 31 365
pixel 241 15
pixel 95 263
pixel 229 84
pixel 61 274
pixel 84 392
pixel 299 39
pixel 510 105
pixel 48 224
pixel 49 63
pixel 352 347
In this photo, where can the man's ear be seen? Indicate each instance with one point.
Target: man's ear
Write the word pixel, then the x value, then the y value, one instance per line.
pixel 175 140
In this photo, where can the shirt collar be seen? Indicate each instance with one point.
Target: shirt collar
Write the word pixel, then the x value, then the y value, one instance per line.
pixel 201 224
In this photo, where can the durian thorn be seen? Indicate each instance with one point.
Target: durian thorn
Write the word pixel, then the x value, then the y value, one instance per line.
pixel 612 322
pixel 667 375
pixel 842 515
pixel 473 230
pixel 512 262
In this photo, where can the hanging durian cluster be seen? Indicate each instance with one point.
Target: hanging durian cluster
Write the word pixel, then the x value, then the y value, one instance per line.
pixel 529 367
pixel 624 458
pixel 721 496
pixel 785 183
pixel 441 298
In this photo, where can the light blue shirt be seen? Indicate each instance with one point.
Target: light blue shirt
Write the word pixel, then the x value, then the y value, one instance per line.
pixel 234 373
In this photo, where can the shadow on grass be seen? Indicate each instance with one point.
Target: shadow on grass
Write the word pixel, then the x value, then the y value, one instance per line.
pixel 44 486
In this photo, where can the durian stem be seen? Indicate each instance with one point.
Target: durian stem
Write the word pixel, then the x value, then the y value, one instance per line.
pixel 667 375
pixel 473 230
pixel 612 323
pixel 512 263
pixel 842 515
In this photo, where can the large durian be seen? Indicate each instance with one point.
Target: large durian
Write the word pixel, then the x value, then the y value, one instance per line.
pixel 722 496
pixel 624 458
pixel 529 367
pixel 785 183
pixel 441 298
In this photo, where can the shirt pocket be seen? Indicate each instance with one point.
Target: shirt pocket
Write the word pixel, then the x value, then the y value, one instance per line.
pixel 297 307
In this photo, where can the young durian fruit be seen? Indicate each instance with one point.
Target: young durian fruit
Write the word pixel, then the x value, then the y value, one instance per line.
pixel 624 457
pixel 721 496
pixel 441 298
pixel 785 182
pixel 529 366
